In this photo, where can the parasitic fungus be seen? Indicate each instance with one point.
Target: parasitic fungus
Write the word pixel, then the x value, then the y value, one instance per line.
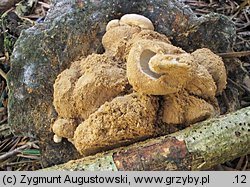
pixel 214 65
pixel 144 80
pixel 108 100
pixel 101 81
pixel 116 38
pixel 63 88
pixel 124 120
pixel 202 84
pixel 182 108
pixel 119 32
pixel 82 89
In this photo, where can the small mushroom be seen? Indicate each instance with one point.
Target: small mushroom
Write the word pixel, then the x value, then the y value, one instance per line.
pixel 142 59
pixel 214 65
pixel 124 120
pixel 116 38
pixel 82 89
pixel 102 80
pixel 64 128
pixel 201 84
pixel 137 20
pixel 121 31
pixel 57 139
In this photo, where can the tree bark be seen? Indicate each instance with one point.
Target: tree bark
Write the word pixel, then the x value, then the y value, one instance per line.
pixel 198 147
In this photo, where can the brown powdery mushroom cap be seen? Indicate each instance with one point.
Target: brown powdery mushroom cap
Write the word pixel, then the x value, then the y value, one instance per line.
pixel 102 80
pixel 122 121
pixel 215 66
pixel 63 88
pixel 82 89
pixel 117 37
pixel 144 80
pixel 202 84
pixel 182 108
pixel 147 35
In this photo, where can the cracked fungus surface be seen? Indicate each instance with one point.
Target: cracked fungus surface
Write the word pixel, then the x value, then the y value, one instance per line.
pixel 112 99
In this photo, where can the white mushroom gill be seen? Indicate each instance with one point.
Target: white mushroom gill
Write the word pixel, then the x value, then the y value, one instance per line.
pixel 145 57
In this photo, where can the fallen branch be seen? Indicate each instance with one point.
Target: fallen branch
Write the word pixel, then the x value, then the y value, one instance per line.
pixel 198 147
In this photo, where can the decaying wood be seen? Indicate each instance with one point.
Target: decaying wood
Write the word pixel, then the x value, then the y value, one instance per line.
pixel 198 147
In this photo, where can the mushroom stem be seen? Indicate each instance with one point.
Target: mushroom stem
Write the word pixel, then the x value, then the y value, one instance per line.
pixel 57 139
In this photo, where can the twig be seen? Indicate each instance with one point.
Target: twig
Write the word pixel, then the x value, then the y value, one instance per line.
pixel 239 87
pixel 241 7
pixel 226 101
pixel 19 163
pixel 45 5
pixel 246 88
pixel 14 152
pixel 32 16
pixel 3 121
pixel 27 19
pixel 245 165
pixel 29 156
pixel 3 74
pixel 240 162
pixel 234 54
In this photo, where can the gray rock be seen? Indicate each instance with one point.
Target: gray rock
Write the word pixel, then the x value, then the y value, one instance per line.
pixel 73 29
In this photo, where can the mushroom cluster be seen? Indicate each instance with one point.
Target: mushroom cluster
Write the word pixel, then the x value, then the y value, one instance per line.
pixel 112 99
